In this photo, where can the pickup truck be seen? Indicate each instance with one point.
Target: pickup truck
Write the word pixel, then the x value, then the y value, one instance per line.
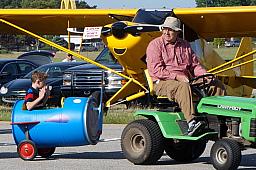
pixel 82 81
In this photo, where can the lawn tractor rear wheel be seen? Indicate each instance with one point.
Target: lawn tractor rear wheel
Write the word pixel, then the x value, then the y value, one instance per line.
pixel 142 142
pixel 226 154
pixel 183 150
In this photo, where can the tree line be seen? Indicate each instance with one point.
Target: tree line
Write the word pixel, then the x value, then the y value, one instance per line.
pixel 25 43
pixel 224 3
pixel 39 4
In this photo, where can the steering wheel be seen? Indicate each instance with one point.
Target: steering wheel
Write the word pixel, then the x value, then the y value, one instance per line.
pixel 201 88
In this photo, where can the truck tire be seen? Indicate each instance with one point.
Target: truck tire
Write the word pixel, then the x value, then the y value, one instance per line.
pixel 142 142
pixel 226 154
pixel 184 150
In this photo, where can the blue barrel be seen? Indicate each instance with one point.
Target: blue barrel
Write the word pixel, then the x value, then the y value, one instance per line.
pixel 78 123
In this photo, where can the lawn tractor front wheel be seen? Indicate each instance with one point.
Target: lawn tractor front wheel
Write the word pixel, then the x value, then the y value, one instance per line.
pixel 226 154
pixel 142 142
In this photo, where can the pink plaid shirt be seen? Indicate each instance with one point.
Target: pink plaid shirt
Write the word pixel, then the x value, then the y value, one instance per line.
pixel 165 60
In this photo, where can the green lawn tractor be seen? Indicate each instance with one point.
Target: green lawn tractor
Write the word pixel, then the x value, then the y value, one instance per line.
pixel 229 121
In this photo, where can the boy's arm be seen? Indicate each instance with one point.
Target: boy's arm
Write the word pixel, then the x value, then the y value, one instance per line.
pixel 33 104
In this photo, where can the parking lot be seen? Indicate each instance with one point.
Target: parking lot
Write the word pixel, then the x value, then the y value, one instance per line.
pixel 104 155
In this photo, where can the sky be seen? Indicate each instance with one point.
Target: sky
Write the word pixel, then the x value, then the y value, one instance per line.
pixel 169 4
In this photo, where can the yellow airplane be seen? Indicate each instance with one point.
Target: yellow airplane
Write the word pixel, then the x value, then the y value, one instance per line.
pixel 127 33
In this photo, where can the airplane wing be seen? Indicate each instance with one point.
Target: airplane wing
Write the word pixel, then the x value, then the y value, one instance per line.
pixel 220 22
pixel 55 21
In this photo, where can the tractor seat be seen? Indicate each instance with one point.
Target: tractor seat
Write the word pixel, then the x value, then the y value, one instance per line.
pixel 161 101
pixel 151 86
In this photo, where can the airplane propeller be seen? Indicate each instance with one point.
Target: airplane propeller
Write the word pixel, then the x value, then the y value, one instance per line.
pixel 120 29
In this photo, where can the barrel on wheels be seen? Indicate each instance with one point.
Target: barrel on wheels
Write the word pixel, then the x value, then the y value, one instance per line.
pixel 78 123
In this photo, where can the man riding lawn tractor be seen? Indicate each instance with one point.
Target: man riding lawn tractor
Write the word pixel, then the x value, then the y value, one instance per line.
pixel 174 72
pixel 171 63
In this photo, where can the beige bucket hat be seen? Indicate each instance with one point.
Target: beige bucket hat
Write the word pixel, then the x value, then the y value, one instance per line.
pixel 173 23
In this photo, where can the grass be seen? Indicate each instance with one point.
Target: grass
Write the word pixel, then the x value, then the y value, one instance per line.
pixel 116 115
pixel 5 113
pixel 119 115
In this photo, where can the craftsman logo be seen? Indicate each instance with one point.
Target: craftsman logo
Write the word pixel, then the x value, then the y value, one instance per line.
pixel 229 107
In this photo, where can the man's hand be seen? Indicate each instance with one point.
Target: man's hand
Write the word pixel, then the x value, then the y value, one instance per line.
pixel 182 78
pixel 209 79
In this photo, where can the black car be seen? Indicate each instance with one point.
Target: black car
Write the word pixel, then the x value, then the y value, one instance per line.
pixel 11 69
pixel 16 89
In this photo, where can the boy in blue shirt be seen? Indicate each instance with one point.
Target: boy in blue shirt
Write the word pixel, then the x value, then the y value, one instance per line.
pixel 38 93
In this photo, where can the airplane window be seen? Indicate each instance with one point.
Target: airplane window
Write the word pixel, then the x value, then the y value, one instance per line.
pixel 197 47
pixel 156 17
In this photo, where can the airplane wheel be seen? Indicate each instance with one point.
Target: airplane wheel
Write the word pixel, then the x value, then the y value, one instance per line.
pixel 184 151
pixel 142 142
pixel 27 150
pixel 45 152
pixel 226 154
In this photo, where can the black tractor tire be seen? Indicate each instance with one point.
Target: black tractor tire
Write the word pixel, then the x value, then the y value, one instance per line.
pixel 45 152
pixel 184 150
pixel 142 142
pixel 226 154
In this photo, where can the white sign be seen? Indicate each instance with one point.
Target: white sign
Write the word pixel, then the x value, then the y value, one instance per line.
pixel 92 32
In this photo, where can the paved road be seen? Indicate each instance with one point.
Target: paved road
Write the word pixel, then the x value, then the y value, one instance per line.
pixel 104 155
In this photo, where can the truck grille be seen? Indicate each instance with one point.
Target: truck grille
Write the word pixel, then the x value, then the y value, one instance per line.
pixel 88 79
pixel 253 128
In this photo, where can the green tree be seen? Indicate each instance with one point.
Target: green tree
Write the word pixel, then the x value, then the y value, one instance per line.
pixel 41 4
pixel 83 4
pixel 218 42
pixel 220 3
pixel 10 4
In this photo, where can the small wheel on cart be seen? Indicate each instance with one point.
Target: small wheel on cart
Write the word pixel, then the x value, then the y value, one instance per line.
pixel 226 154
pixel 27 150
pixel 45 152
